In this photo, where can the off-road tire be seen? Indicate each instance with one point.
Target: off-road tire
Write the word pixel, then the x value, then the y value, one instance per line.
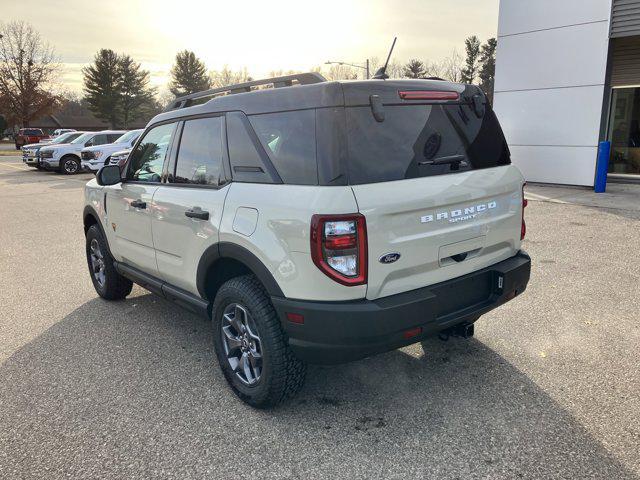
pixel 63 168
pixel 282 373
pixel 116 287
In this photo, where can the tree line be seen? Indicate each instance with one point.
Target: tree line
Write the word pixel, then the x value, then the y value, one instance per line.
pixel 117 89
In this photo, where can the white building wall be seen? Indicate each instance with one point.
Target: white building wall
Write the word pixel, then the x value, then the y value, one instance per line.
pixel 550 78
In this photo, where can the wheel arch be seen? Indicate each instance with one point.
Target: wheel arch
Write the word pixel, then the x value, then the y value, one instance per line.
pixel 223 261
pixel 89 218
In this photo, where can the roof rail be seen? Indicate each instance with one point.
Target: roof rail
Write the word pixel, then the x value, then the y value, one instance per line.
pixel 277 82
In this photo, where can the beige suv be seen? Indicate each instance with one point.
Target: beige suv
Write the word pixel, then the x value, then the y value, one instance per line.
pixel 314 221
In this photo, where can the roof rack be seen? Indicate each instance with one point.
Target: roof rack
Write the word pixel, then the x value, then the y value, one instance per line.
pixel 276 82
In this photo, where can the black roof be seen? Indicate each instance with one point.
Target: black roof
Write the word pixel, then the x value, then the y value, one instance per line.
pixel 317 95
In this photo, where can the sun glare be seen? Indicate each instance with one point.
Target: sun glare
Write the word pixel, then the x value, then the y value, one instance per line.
pixel 257 34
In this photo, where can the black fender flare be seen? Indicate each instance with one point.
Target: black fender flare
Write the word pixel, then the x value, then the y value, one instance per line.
pixel 89 211
pixel 230 250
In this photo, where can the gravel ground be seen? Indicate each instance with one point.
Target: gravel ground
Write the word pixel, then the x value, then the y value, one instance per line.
pixel 548 388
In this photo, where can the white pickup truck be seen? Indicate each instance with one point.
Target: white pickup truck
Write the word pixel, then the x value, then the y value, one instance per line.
pixel 95 157
pixel 66 157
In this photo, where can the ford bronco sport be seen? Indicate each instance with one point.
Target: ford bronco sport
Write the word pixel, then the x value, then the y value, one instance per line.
pixel 314 221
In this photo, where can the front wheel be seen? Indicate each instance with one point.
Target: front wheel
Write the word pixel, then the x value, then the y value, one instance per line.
pixel 69 165
pixel 109 284
pixel 251 346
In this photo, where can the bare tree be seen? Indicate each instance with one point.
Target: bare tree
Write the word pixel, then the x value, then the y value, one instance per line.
pixel 226 77
pixel 452 67
pixel 434 69
pixel 341 72
pixel 395 69
pixel 281 73
pixel 164 96
pixel 28 70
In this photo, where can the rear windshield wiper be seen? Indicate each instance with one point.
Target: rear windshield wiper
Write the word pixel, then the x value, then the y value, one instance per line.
pixel 452 159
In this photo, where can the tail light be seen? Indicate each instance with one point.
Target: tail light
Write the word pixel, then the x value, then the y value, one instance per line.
pixel 339 247
pixel 523 229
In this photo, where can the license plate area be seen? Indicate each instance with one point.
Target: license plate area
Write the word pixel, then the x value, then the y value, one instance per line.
pixel 463 293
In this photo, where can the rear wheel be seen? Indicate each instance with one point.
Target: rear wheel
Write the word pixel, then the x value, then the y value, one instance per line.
pixel 251 346
pixel 109 284
pixel 69 165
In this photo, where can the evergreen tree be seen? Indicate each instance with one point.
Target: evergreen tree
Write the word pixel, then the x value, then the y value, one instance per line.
pixel 102 86
pixel 188 75
pixel 470 71
pixel 136 97
pixel 414 69
pixel 488 68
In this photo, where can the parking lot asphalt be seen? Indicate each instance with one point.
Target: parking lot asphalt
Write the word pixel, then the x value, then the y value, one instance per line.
pixel 549 387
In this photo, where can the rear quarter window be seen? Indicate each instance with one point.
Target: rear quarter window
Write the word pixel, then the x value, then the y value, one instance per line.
pixel 290 142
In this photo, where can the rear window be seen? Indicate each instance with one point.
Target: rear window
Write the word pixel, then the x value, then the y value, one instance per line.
pixel 32 131
pixel 420 141
pixel 290 142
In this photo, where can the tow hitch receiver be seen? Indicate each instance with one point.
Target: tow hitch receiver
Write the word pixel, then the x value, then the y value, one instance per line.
pixel 464 330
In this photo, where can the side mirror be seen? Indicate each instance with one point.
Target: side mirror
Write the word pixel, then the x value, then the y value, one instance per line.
pixel 109 175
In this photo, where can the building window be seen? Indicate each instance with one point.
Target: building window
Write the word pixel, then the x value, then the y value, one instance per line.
pixel 624 131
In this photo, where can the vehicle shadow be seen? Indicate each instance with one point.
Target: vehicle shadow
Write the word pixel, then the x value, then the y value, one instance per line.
pixel 130 389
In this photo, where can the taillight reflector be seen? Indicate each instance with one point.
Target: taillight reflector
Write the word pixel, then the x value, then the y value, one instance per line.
pixel 339 247
pixel 428 95
pixel 523 228
pixel 414 332
pixel 295 318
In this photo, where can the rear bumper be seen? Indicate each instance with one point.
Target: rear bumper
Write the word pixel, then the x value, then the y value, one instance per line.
pixel 337 332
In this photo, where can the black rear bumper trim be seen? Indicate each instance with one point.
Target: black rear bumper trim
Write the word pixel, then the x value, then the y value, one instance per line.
pixel 337 332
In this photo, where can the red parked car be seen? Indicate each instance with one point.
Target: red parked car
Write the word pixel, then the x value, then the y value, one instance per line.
pixel 29 135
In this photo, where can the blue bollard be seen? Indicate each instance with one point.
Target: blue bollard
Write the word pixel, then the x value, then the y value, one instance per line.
pixel 602 167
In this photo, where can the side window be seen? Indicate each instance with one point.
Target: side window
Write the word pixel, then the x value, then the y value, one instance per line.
pixel 289 138
pixel 112 137
pixel 200 152
pixel 97 140
pixel 147 160
pixel 247 163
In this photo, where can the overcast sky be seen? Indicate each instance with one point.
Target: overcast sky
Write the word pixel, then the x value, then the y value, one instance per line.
pixel 260 35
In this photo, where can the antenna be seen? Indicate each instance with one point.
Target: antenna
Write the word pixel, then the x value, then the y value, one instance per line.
pixel 381 74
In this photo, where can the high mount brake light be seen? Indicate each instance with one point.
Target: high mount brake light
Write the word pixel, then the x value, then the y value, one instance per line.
pixel 428 95
pixel 339 247
pixel 523 228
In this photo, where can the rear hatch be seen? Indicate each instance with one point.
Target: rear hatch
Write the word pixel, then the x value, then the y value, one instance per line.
pixel 431 173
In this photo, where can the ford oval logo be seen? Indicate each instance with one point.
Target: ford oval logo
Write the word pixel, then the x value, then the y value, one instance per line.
pixel 389 257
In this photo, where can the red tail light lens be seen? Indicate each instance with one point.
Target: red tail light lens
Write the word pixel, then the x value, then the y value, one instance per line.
pixel 525 202
pixel 428 95
pixel 339 247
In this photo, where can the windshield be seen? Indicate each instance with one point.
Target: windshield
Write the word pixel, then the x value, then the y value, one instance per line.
pixel 64 138
pixel 82 138
pixel 128 137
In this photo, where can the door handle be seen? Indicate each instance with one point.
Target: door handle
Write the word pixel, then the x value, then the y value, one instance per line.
pixel 197 212
pixel 138 204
